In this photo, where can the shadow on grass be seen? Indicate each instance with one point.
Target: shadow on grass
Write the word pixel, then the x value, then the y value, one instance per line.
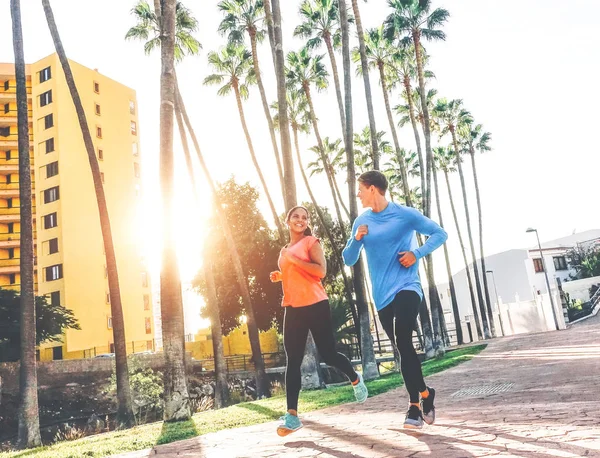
pixel 261 409
pixel 177 431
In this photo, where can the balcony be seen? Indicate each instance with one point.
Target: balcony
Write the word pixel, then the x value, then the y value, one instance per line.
pixel 9 118
pixel 13 240
pixel 11 141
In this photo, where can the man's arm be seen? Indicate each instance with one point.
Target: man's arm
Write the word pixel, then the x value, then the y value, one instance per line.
pixel 423 225
pixel 351 253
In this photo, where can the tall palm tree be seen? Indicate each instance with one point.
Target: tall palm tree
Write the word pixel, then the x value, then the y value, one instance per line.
pixel 320 24
pixel 29 420
pixel 332 155
pixel 369 364
pixel 475 139
pixel 147 29
pixel 365 73
pixel 280 75
pixel 440 151
pixel 412 21
pixel 364 158
pixel 453 117
pixel 247 17
pixel 304 71
pixel 124 405
pixel 233 65
pixel 445 161
pixel 381 55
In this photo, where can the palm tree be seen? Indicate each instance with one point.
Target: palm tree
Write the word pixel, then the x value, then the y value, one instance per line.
pixel 321 24
pixel 412 21
pixel 280 74
pixel 369 364
pixel 124 409
pixel 381 55
pixel 446 161
pixel 247 16
pixel 364 158
pixel 29 420
pixel 233 65
pixel 365 73
pixel 147 29
pixel 474 139
pixel 454 117
pixel 440 152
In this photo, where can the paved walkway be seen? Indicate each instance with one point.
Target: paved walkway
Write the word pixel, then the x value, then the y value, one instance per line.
pixel 542 400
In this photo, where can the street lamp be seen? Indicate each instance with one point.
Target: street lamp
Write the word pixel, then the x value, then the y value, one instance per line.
pixel 546 275
pixel 497 300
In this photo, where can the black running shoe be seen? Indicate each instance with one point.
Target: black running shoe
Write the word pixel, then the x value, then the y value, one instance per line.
pixel 414 419
pixel 428 407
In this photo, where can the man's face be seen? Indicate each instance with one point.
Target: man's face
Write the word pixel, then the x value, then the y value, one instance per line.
pixel 365 194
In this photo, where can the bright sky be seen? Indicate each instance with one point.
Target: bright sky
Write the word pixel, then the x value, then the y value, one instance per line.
pixel 512 62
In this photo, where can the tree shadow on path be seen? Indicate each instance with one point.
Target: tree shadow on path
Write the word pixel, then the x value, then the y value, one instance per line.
pixel 322 449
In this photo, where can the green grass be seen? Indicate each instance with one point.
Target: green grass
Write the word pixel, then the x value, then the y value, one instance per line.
pixel 244 414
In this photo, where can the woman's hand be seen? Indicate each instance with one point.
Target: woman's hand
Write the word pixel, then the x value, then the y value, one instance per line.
pixel 275 276
pixel 287 254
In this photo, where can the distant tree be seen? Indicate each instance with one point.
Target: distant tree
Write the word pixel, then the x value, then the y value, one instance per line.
pixel 585 260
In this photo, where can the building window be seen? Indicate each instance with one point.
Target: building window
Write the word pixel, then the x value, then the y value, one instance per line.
pixel 134 148
pixel 57 353
pixel 11 228
pixel 8 155
pixel 50 221
pixel 144 279
pixel 538 265
pixel 54 272
pixel 96 87
pixel 52 169
pixel 7 85
pixel 109 325
pixel 108 298
pixel 560 263
pixel 98 131
pixel 102 177
pixel 148 325
pixel 100 155
pixel 8 179
pixel 52 246
pixel 6 108
pixel 46 98
pixel 55 298
pixel 133 128
pixel 146 302
pixel 136 169
pixel 49 121
pixel 9 202
pixel 12 279
pixel 11 253
pixel 49 145
pixel 50 195
pixel 45 74
pixel 132 107
pixel 98 112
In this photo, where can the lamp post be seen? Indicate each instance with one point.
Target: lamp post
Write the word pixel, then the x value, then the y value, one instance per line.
pixel 497 300
pixel 545 275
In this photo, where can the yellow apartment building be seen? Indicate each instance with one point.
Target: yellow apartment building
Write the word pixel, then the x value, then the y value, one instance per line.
pixel 70 264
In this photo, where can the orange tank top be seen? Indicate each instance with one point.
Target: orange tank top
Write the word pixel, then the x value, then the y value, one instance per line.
pixel 299 287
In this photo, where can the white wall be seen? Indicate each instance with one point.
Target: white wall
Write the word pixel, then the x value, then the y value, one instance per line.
pixel 579 289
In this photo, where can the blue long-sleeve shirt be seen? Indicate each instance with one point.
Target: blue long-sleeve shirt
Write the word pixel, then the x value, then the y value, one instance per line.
pixel 391 231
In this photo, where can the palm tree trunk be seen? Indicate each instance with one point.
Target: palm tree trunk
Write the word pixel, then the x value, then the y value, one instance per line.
pixel 289 179
pixel 484 318
pixel 125 416
pixel 426 122
pixel 455 309
pixel 365 73
pixel 265 104
pixel 388 109
pixel 238 99
pixel 369 364
pixel 330 179
pixel 271 32
pixel 222 395
pixel 262 381
pixel 464 253
pixel 413 121
pixel 481 253
pixel 334 245
pixel 29 420
pixel 339 194
pixel 336 80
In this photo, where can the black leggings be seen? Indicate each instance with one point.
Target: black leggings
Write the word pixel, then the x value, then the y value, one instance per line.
pixel 296 324
pixel 404 309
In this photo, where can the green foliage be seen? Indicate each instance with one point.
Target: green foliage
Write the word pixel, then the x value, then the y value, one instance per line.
pixel 52 320
pixel 585 259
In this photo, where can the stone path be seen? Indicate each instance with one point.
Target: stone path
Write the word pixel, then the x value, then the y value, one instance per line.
pixel 539 395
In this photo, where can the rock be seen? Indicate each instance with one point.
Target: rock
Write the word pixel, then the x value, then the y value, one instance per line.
pixel 94 424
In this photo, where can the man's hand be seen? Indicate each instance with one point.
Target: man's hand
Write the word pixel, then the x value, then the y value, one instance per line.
pixel 275 276
pixel 361 232
pixel 407 258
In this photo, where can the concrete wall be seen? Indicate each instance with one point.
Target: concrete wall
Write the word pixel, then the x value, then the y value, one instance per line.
pixel 580 289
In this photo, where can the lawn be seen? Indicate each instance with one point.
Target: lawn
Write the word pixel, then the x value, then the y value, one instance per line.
pixel 244 414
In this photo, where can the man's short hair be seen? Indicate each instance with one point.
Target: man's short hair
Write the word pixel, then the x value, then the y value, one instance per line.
pixel 374 178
